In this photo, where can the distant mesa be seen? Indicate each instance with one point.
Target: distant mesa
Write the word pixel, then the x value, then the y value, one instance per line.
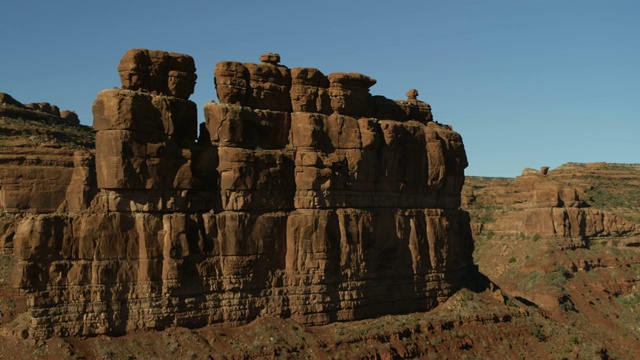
pixel 555 204
pixel 12 108
pixel 40 147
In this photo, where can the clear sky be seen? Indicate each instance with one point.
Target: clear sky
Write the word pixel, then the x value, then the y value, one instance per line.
pixel 526 83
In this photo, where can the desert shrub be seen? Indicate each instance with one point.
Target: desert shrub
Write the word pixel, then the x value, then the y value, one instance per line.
pixel 566 273
pixel 536 331
pixel 567 305
pixel 559 277
pixel 629 300
pixel 531 279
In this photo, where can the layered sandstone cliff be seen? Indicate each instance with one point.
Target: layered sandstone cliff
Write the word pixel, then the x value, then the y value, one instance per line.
pixel 41 148
pixel 555 204
pixel 45 157
pixel 303 197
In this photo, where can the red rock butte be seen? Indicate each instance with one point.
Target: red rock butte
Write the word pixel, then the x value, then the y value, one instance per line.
pixel 302 197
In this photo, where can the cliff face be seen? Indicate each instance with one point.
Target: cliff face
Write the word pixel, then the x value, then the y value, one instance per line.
pixel 303 197
pixel 575 201
pixel 41 148
pixel 45 156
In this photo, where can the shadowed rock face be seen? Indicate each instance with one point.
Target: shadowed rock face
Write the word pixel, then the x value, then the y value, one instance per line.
pixel 306 197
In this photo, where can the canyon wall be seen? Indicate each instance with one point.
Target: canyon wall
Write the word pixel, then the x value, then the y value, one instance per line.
pixel 39 156
pixel 552 204
pixel 302 196
pixel 42 152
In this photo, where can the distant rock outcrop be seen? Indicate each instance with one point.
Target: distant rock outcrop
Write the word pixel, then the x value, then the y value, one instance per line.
pixel 40 150
pixel 544 203
pixel 304 197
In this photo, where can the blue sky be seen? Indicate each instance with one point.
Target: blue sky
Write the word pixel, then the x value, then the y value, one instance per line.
pixel 526 83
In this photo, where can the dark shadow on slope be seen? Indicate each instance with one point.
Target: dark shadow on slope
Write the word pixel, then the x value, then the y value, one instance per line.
pixel 479 282
pixel 527 302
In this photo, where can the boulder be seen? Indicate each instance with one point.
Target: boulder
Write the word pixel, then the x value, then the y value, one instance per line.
pixel 269 87
pixel 159 72
pixel 309 91
pixel 349 93
pixel 231 80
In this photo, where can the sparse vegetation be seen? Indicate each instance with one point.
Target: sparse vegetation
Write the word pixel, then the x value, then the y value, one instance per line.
pixel 629 301
pixel 566 305
pixel 536 331
pixel 558 278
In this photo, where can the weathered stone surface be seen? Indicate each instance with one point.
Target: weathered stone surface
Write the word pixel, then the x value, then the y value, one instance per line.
pixel 8 100
pixel 141 112
pixel 70 115
pixel 11 108
pixel 310 91
pixel 147 129
pixel 234 125
pixel 563 222
pixel 369 163
pixel 37 157
pixel 269 87
pixel 44 107
pixel 131 160
pixel 231 80
pixel 159 72
pixel 349 93
pixel 541 203
pixel 296 201
pixel 402 110
pixel 351 262
pixel 256 180
pixel 33 187
pixel 270 58
pixel 83 184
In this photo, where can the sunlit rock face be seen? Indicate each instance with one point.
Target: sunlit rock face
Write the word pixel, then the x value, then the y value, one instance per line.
pixel 303 196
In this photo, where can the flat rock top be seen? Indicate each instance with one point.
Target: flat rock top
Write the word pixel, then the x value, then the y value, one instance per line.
pixel 604 186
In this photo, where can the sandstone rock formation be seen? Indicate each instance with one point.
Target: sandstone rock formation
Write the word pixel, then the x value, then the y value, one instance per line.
pixel 544 203
pixel 303 197
pixel 40 150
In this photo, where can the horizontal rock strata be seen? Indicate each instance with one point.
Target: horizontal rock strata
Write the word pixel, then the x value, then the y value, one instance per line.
pixel 303 197
pixel 542 204
pixel 43 152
